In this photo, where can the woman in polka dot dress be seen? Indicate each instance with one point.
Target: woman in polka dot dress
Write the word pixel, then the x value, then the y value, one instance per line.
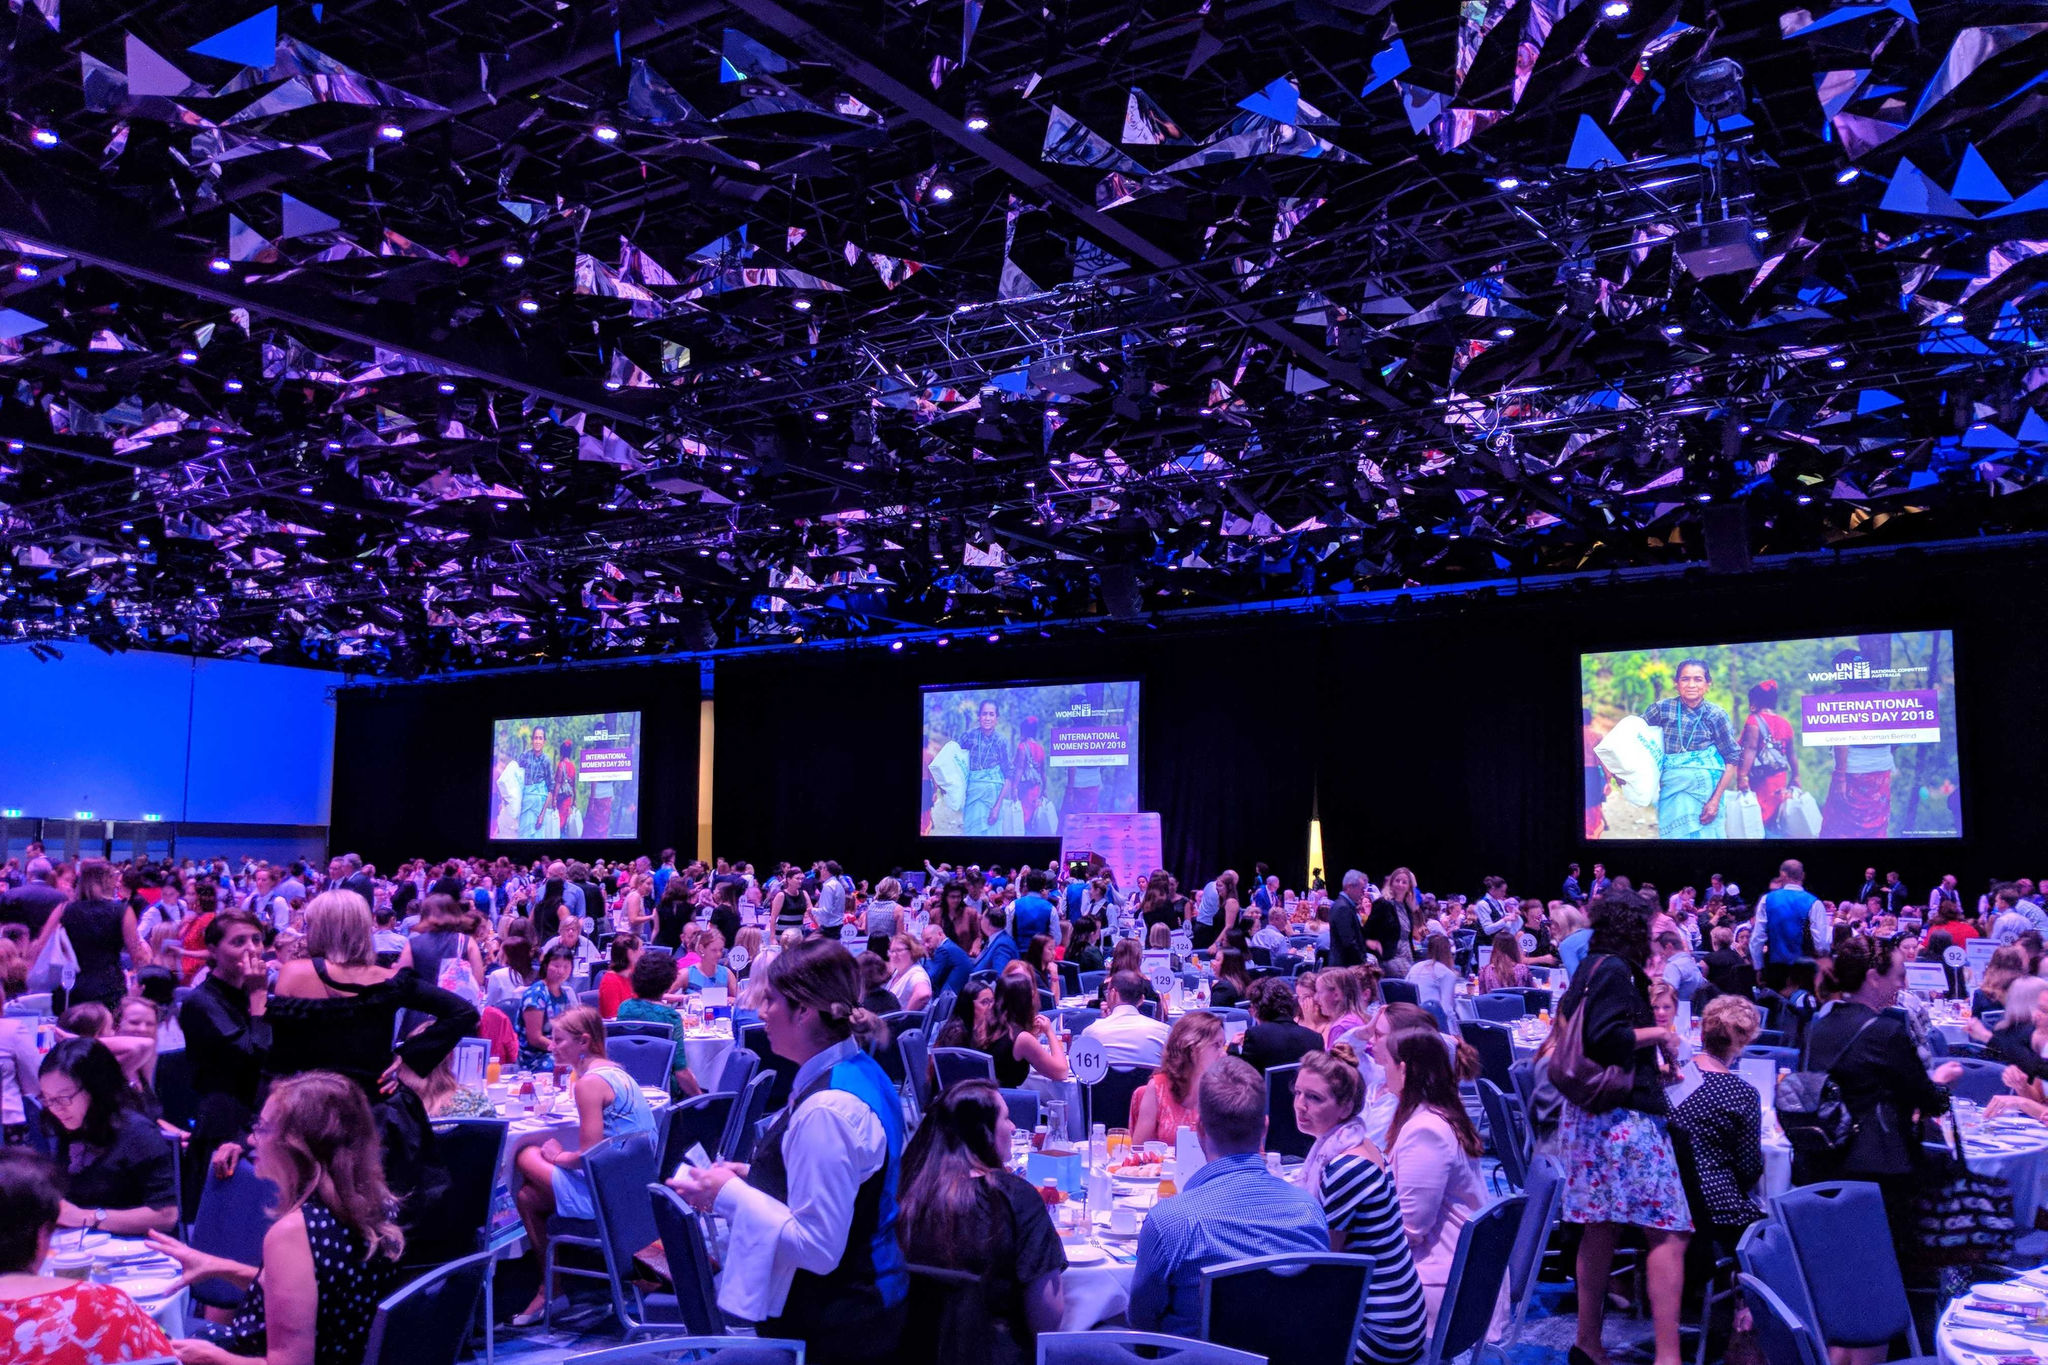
pixel 332 1254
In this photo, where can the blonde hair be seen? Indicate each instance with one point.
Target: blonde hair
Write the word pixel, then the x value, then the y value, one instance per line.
pixel 1565 921
pixel 1727 1025
pixel 587 1024
pixel 1190 1033
pixel 340 930
pixel 909 945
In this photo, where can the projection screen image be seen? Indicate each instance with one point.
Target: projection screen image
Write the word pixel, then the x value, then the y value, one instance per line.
pixel 566 777
pixel 1844 737
pixel 1008 762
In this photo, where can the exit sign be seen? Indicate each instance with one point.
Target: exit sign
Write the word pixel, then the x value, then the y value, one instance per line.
pixel 83 815
pixel 150 819
pixel 11 813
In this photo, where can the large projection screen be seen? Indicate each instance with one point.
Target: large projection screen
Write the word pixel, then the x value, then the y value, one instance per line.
pixel 1841 737
pixel 1012 761
pixel 566 777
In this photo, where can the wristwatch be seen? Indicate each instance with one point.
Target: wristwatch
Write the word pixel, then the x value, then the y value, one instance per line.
pixel 98 1216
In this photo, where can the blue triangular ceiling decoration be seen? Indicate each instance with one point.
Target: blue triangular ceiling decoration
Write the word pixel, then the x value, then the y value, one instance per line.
pixel 253 42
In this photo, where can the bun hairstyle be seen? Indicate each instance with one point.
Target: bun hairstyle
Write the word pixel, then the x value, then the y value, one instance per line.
pixel 819 974
pixel 1854 960
pixel 1338 1069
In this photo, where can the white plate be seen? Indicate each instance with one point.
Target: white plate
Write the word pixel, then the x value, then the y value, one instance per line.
pixel 147 1286
pixel 1085 1253
pixel 1964 1317
pixel 2007 1293
pixel 129 1250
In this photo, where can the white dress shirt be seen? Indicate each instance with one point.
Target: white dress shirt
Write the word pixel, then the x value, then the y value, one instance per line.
pixel 833 1144
pixel 1128 1038
pixel 1434 981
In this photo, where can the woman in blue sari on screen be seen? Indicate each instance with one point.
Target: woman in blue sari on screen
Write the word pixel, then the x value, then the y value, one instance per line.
pixel 1699 757
pixel 988 773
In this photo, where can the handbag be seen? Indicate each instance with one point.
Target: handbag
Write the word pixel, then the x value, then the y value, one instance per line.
pixel 1579 1079
pixel 1769 759
pixel 1965 1219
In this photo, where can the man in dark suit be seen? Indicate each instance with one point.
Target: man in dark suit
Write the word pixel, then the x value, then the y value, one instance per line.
pixel 345 872
pixel 1347 928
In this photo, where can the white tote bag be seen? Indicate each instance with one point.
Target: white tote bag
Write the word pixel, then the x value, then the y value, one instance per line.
pixel 1800 815
pixel 1634 753
pixel 1741 816
pixel 56 966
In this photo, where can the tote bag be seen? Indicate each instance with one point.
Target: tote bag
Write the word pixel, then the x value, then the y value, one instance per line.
pixel 56 966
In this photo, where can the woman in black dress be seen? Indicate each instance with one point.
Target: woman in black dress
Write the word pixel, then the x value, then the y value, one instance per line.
pixel 961 1210
pixel 100 925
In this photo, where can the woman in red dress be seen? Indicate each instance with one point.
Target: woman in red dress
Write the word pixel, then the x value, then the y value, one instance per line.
pixel 565 785
pixel 1769 762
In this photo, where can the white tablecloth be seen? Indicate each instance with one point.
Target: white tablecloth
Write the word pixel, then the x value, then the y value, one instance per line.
pixel 705 1053
pixel 2015 1151
pixel 559 1123
pixel 1970 1315
pixel 137 1276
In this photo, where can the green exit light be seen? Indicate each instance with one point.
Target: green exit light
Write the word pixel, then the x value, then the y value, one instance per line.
pixel 11 813
pixel 150 819
pixel 83 815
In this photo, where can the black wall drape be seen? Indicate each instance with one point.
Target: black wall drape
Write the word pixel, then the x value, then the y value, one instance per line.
pixel 1447 741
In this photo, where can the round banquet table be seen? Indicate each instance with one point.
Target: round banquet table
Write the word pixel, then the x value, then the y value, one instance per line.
pixel 705 1051
pixel 1991 1322
pixel 129 1265
pixel 558 1121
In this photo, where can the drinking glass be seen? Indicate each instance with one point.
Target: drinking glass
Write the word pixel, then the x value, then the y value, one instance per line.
pixel 1119 1142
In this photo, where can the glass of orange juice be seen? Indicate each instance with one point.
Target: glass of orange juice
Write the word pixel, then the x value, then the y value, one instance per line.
pixel 1119 1142
pixel 492 1070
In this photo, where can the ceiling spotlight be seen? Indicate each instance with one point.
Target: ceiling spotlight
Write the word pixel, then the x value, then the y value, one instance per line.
pixel 390 131
pixel 446 386
pixel 233 386
pixel 43 136
pixel 943 641
pixel 127 526
pixel 1836 362
pixel 1614 9
pixel 512 260
pixel 941 187
pixel 1760 234
pixel 1805 499
pixel 25 270
pixel 1674 329
pixel 857 467
pixel 993 637
pixel 1703 497
pixel 821 416
pixel 615 384
pixel 547 466
pixel 188 357
pixel 605 131
pixel 332 447
pixel 220 265
pixel 528 304
pixel 1557 478
pixel 1846 174
pixel 327 507
pixel 1507 182
pixel 895 646
pixel 976 117
pixel 1504 331
pixel 803 303
pixel 502 506
pixel 305 489
pixel 1952 319
pixel 1743 428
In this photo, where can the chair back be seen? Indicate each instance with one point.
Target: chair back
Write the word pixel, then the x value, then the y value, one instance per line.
pixel 471 1150
pixel 669 1350
pixel 649 1061
pixel 1543 1193
pixel 1070 977
pixel 1765 1251
pixel 689 1261
pixel 1477 1272
pixel 1079 1019
pixel 621 1169
pixel 1523 1074
pixel 916 1066
pixel 1109 1099
pixel 1283 1134
pixel 947 1318
pixel 1536 999
pixel 231 1222
pixel 174 1087
pixel 38 1132
pixel 636 1028
pixel 1983 1080
pixel 1841 1240
pixel 1782 1336
pixel 588 998
pixel 1023 1107
pixel 1500 1006
pixel 738 1142
pixel 701 1120
pixel 886 1052
pixel 755 1039
pixel 1495 1046
pixel 1786 1057
pixel 938 1012
pixel 1325 1294
pixel 1504 1126
pixel 1132 1348
pixel 1770 1037
pixel 1091 982
pixel 1395 990
pixel 956 1064
pixel 428 1321
pixel 739 1068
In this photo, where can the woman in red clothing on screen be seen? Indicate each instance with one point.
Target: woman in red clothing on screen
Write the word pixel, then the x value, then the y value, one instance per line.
pixel 1770 761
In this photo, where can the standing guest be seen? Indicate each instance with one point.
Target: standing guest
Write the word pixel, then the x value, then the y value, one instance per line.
pixel 32 903
pixel 332 1254
pixel 1127 1037
pixel 1390 930
pixel 609 1104
pixel 961 1209
pixel 1274 1038
pixel 1229 1210
pixel 546 1000
pixel 52 1320
pixel 1619 1167
pixel 1504 967
pixel 1033 913
pixel 673 914
pixel 1569 929
pixel 1171 1099
pixel 615 987
pixel 1434 1153
pixel 1436 977
pixel 1348 947
pixel 1868 1053
pixel 824 1268
pixel 1722 1120
pixel 120 1174
pixel 1347 1173
pixel 999 949
pixel 653 976
pixel 908 981
pixel 442 936
pixel 227 1039
pixel 885 915
pixel 1343 997
pixel 100 924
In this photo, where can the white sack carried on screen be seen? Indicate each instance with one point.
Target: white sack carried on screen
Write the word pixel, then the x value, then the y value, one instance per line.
pixel 1634 754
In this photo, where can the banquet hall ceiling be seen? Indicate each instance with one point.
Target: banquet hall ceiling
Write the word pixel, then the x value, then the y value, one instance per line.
pixel 413 337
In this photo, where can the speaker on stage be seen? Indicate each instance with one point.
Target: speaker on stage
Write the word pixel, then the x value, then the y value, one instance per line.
pixel 1726 527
